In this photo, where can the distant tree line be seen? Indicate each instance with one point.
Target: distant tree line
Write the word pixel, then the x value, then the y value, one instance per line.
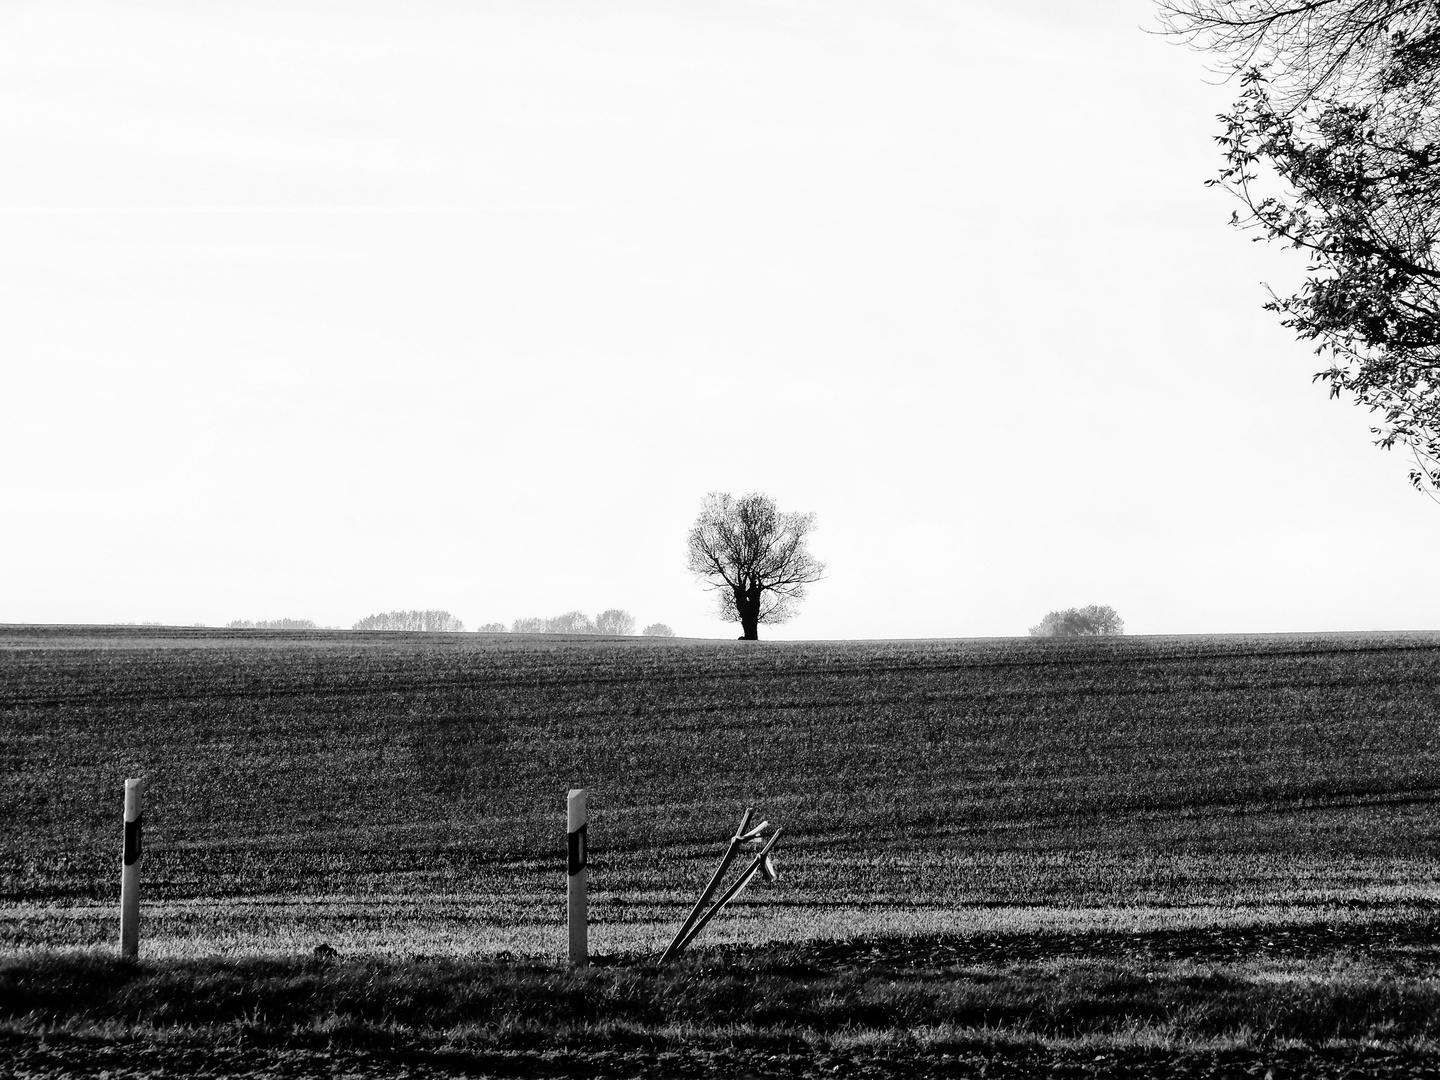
pixel 434 621
pixel 271 624
pixel 613 621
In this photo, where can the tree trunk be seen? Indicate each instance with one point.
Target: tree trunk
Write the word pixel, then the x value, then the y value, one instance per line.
pixel 747 606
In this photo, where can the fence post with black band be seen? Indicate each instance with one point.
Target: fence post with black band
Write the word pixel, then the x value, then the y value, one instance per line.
pixel 577 875
pixel 130 870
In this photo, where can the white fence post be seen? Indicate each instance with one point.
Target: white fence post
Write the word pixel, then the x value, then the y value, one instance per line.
pixel 130 870
pixel 577 875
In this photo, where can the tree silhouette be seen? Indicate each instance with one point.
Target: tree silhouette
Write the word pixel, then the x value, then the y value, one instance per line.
pixel 754 557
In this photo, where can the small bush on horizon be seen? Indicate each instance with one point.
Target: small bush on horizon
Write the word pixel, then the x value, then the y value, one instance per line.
pixel 615 621
pixel 572 622
pixel 657 629
pixel 491 628
pixel 612 621
pixel 431 621
pixel 270 624
pixel 1096 620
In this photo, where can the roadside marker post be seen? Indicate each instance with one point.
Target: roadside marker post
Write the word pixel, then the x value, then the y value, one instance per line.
pixel 577 875
pixel 131 858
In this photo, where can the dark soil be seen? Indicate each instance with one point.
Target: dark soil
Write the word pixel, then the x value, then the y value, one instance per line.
pixel 83 1058
pixel 1399 943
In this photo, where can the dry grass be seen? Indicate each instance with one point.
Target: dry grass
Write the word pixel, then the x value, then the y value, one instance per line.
pixel 779 996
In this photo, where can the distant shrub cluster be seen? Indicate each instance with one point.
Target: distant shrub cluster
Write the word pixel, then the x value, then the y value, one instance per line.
pixel 1097 620
pixel 441 621
pixel 613 621
pixel 657 629
pixel 491 628
pixel 271 624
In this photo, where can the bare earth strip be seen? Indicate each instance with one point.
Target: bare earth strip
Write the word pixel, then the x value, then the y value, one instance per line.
pixel 120 1061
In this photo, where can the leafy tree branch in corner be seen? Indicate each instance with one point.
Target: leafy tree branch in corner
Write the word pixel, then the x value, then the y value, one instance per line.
pixel 1334 148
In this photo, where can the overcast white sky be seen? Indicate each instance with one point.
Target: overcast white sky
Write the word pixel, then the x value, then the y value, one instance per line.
pixel 316 309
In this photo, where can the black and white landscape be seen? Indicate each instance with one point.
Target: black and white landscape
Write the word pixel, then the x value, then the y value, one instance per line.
pixel 422 420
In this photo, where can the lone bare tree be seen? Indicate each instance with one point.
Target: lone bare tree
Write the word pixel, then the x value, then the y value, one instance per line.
pixel 754 557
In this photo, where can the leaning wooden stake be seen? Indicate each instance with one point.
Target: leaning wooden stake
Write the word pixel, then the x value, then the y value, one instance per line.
pixel 130 870
pixel 695 921
pixel 677 943
pixel 759 863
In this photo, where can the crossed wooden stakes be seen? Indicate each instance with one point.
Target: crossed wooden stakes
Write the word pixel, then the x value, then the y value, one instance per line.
pixel 760 864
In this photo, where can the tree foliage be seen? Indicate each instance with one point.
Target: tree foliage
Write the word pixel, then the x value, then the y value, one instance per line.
pixel 1334 148
pixel 434 621
pixel 491 628
pixel 1095 620
pixel 657 629
pixel 754 557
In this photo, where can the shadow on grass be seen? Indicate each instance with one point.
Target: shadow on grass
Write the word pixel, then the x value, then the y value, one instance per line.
pixel 821 994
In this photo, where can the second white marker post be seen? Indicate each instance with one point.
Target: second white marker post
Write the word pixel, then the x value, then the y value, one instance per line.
pixel 130 870
pixel 577 875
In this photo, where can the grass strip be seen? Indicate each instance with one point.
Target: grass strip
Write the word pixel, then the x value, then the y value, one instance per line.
pixel 778 997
